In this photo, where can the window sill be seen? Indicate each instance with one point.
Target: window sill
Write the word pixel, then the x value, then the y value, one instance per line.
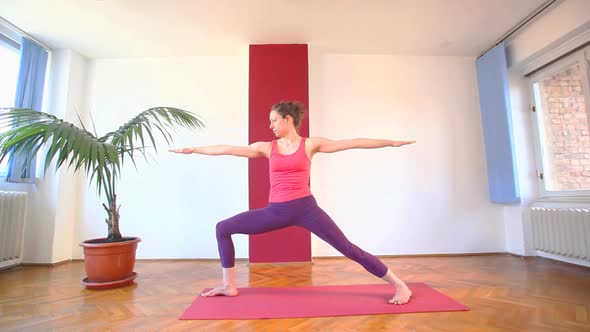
pixel 562 201
pixel 8 186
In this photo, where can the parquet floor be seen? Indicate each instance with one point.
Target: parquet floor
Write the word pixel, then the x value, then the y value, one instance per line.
pixel 505 293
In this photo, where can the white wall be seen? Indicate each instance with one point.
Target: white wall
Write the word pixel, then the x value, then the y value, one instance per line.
pixel 40 218
pixel 174 202
pixel 67 205
pixel 518 233
pixel 427 198
pixel 51 200
pixel 524 48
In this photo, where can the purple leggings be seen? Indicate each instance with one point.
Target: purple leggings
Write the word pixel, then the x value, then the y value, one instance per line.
pixel 303 212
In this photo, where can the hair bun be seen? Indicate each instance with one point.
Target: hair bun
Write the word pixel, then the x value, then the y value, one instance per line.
pixel 295 109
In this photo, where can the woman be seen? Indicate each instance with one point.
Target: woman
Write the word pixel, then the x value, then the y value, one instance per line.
pixel 290 200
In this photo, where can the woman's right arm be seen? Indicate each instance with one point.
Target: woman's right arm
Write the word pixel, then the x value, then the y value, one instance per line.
pixel 254 150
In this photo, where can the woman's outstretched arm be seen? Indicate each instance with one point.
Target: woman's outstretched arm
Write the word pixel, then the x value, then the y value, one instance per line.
pixel 321 144
pixel 254 150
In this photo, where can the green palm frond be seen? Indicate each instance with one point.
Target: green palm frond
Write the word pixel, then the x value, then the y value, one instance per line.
pixel 142 127
pixel 26 131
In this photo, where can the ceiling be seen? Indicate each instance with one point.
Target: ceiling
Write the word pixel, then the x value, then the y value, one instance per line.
pixel 156 28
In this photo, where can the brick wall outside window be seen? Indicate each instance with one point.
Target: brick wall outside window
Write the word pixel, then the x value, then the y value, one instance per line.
pixel 567 143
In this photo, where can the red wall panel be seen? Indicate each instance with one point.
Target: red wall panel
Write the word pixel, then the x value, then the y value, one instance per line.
pixel 277 72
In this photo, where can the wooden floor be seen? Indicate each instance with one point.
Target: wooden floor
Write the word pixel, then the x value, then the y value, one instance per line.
pixel 505 293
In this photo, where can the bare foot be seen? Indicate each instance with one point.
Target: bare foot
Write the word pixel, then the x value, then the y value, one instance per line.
pixel 221 290
pixel 402 295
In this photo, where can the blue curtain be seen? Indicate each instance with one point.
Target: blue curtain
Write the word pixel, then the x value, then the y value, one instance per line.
pixel 494 99
pixel 29 94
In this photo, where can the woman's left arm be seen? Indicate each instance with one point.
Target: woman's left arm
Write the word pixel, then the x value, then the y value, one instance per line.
pixel 321 144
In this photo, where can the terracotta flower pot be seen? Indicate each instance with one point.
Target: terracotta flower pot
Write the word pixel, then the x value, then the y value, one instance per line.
pixel 109 264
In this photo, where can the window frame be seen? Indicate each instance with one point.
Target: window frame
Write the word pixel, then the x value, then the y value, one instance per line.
pixel 7 41
pixel 580 56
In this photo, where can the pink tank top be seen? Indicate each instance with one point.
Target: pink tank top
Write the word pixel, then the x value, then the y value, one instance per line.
pixel 289 174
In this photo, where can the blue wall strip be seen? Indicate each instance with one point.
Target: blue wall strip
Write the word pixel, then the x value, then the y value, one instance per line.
pixel 494 100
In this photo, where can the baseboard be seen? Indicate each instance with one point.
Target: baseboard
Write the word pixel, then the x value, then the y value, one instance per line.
pixel 281 263
pixel 428 255
pixel 245 260
pixel 242 261
pixel 540 255
pixel 147 260
pixel 35 264
pixel 46 264
pixel 462 254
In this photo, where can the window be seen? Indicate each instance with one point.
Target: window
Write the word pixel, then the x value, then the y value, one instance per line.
pixel 9 65
pixel 561 95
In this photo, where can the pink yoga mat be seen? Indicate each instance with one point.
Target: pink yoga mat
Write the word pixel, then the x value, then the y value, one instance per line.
pixel 318 301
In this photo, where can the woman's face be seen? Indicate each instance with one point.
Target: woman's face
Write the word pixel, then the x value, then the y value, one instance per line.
pixel 280 126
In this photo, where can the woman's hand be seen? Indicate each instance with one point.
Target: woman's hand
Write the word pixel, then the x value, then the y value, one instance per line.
pixel 400 143
pixel 182 150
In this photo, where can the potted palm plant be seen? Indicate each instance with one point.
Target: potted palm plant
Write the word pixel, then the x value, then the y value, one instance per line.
pixel 109 261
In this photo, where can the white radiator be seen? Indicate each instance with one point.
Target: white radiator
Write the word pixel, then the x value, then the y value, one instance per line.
pixel 12 220
pixel 562 231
